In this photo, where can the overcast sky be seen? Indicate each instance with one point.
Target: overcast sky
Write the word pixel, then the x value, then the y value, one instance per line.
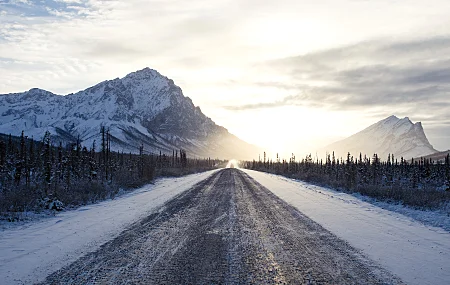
pixel 289 75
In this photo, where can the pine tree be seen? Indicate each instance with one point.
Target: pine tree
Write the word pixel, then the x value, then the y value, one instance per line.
pixel 447 171
pixel 47 161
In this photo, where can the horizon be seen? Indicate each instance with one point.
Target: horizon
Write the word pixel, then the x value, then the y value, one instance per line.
pixel 318 153
pixel 308 74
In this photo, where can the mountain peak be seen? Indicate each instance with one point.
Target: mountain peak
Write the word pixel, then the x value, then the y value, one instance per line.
pixel 142 108
pixel 34 91
pixel 395 118
pixel 418 125
pixel 406 119
pixel 391 117
pixel 389 136
pixel 144 73
pixel 37 94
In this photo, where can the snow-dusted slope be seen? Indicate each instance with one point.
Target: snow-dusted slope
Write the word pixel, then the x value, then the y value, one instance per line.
pixel 389 136
pixel 144 107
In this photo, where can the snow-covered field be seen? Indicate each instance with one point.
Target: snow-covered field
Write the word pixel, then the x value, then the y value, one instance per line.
pixel 29 253
pixel 418 254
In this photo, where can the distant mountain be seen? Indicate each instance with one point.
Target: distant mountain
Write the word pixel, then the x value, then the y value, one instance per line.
pixel 389 136
pixel 144 107
pixel 437 156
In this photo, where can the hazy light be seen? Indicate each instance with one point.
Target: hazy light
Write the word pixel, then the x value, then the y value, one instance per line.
pixel 232 164
pixel 218 53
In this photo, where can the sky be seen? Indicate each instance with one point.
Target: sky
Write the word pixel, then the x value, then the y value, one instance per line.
pixel 289 76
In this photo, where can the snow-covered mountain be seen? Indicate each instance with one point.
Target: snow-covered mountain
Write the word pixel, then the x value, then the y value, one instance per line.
pixel 144 107
pixel 389 136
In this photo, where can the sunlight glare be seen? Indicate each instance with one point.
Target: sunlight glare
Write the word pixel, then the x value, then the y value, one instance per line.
pixel 233 163
pixel 290 130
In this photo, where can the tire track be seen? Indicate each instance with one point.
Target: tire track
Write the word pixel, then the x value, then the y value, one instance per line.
pixel 303 251
pixel 227 229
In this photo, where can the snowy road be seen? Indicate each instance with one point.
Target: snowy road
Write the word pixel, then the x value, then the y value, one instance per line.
pixel 418 254
pixel 29 253
pixel 227 229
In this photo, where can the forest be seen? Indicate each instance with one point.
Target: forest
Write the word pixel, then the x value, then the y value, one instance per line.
pixel 420 183
pixel 37 175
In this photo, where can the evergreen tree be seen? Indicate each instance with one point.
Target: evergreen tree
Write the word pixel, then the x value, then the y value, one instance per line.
pixel 46 155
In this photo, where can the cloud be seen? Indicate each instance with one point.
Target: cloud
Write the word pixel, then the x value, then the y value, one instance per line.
pixel 411 75
pixel 113 49
pixel 378 78
pixel 69 39
pixel 220 51
pixel 292 100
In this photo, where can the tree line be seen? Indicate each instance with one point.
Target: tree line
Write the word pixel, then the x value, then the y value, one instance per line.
pixel 421 183
pixel 35 174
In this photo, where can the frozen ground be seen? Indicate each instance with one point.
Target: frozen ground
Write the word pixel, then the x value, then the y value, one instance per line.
pixel 417 253
pixel 435 218
pixel 31 252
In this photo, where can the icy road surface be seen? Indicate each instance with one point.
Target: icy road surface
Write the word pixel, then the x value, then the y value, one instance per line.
pixel 227 229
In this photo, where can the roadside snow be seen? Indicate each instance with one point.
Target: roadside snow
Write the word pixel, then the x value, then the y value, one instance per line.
pixel 31 252
pixel 435 218
pixel 418 254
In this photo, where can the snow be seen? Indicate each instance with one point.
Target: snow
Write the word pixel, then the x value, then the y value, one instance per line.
pixel 128 106
pixel 37 111
pixel 391 135
pixel 436 218
pixel 417 253
pixel 29 253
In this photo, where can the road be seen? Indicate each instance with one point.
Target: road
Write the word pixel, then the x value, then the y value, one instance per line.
pixel 227 229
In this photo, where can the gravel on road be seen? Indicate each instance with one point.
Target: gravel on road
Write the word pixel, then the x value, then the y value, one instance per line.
pixel 227 229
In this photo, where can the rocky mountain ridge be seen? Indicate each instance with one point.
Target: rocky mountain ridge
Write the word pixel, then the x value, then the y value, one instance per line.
pixel 143 108
pixel 399 137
